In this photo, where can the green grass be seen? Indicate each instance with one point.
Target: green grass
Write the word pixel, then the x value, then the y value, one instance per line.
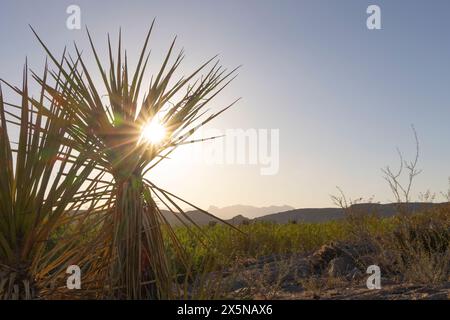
pixel 264 238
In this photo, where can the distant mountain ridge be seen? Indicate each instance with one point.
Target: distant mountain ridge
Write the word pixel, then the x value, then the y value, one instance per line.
pixel 312 215
pixel 247 211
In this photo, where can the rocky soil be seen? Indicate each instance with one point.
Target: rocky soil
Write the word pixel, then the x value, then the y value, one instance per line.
pixel 335 271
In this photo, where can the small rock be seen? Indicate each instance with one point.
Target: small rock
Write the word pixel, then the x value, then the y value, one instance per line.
pixel 364 261
pixel 237 284
pixel 290 287
pixel 303 269
pixel 354 274
pixel 438 296
pixel 340 267
pixel 320 259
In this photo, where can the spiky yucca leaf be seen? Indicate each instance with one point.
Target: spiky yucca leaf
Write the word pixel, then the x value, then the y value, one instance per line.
pixel 110 134
pixel 42 192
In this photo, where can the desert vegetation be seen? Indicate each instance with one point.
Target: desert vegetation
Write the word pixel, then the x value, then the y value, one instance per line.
pixel 75 191
pixel 326 260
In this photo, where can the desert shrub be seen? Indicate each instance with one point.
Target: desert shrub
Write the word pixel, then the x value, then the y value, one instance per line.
pixel 418 250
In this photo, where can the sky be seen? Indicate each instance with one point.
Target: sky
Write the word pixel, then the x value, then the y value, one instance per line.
pixel 343 97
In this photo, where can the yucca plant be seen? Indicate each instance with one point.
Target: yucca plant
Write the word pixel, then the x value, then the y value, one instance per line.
pixel 113 135
pixel 42 193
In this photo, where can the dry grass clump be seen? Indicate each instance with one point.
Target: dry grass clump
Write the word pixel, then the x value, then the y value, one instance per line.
pixel 418 250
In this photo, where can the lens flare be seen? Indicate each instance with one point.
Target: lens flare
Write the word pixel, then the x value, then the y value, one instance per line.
pixel 153 132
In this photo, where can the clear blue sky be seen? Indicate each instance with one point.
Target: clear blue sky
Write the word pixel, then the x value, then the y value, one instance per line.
pixel 343 96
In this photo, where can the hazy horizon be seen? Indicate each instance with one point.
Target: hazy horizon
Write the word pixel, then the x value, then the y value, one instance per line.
pixel 343 97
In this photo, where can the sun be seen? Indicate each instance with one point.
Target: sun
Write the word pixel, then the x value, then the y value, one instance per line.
pixel 153 132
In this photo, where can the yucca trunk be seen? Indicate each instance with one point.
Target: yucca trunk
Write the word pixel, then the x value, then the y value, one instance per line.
pixel 138 243
pixel 155 260
pixel 17 285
